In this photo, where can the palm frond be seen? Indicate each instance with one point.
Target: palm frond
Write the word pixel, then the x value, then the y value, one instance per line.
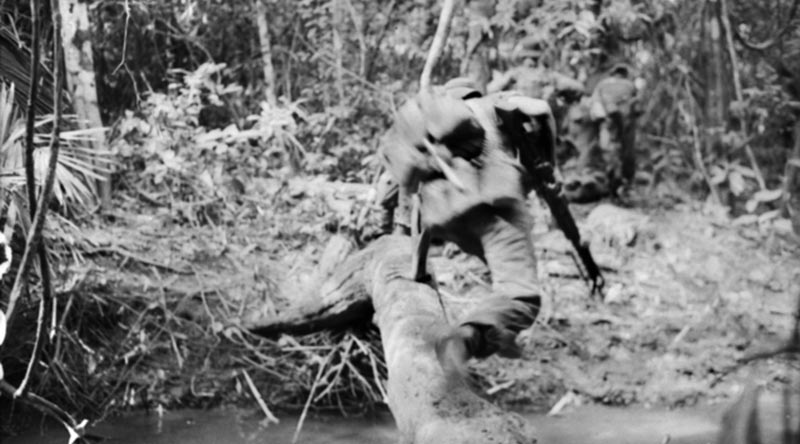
pixel 79 167
pixel 15 62
pixel 7 110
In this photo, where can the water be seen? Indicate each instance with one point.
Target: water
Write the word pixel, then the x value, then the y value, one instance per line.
pixel 584 425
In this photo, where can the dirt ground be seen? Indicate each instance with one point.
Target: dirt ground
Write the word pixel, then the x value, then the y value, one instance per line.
pixel 689 292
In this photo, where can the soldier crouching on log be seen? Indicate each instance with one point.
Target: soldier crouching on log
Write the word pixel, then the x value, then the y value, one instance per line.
pixel 472 161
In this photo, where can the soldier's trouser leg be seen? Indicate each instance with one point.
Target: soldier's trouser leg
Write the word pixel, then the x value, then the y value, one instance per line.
pixel 387 198
pixel 628 149
pixel 395 205
pixel 492 327
pixel 618 147
pixel 611 146
pixel 589 181
pixel 403 212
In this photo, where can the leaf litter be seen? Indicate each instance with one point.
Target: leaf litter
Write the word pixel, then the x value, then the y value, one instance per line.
pixel 688 295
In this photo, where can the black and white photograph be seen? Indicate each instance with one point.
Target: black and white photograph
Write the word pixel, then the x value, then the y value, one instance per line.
pixel 400 222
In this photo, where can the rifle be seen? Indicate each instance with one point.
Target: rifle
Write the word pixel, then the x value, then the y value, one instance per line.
pixel 531 143
pixel 549 189
pixel 421 235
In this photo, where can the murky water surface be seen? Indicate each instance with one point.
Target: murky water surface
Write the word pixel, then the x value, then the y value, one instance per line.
pixel 584 425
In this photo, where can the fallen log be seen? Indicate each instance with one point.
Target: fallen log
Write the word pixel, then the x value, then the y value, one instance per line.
pixel 428 405
pixel 340 298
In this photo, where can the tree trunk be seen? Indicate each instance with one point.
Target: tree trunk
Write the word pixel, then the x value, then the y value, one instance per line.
pixel 429 406
pixel 266 51
pixel 76 35
pixel 792 183
pixel 737 87
pixel 358 23
pixel 716 103
pixel 338 46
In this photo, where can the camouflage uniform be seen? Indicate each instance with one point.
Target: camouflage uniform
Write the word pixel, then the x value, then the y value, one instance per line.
pixel 485 215
pixel 601 128
pixel 559 90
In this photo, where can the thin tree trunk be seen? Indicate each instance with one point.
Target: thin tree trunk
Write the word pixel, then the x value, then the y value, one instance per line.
pixel 79 63
pixel 737 87
pixel 266 51
pixel 358 22
pixel 792 183
pixel 47 284
pixel 691 121
pixel 289 62
pixel 437 46
pixel 338 47
pixel 37 224
pixel 716 106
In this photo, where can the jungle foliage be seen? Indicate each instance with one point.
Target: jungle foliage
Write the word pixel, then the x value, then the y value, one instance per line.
pixel 190 129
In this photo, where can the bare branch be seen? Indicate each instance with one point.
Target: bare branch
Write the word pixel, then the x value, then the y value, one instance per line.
pixel 35 233
pixel 33 96
pixel 123 60
pixel 439 40
pixel 265 51
pixel 43 405
pixel 737 85
pixel 358 22
pixel 338 47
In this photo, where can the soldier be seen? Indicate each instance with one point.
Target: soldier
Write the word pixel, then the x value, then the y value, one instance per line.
pixel 601 128
pixel 472 160
pixel 532 77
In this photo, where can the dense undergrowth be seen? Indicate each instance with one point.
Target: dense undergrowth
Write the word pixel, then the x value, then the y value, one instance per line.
pixel 152 301
pixel 207 214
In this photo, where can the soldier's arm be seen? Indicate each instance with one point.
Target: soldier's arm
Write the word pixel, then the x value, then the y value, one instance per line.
pixel 530 125
pixel 536 148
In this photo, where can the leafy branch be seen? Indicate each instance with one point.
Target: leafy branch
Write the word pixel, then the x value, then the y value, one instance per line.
pixel 769 43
